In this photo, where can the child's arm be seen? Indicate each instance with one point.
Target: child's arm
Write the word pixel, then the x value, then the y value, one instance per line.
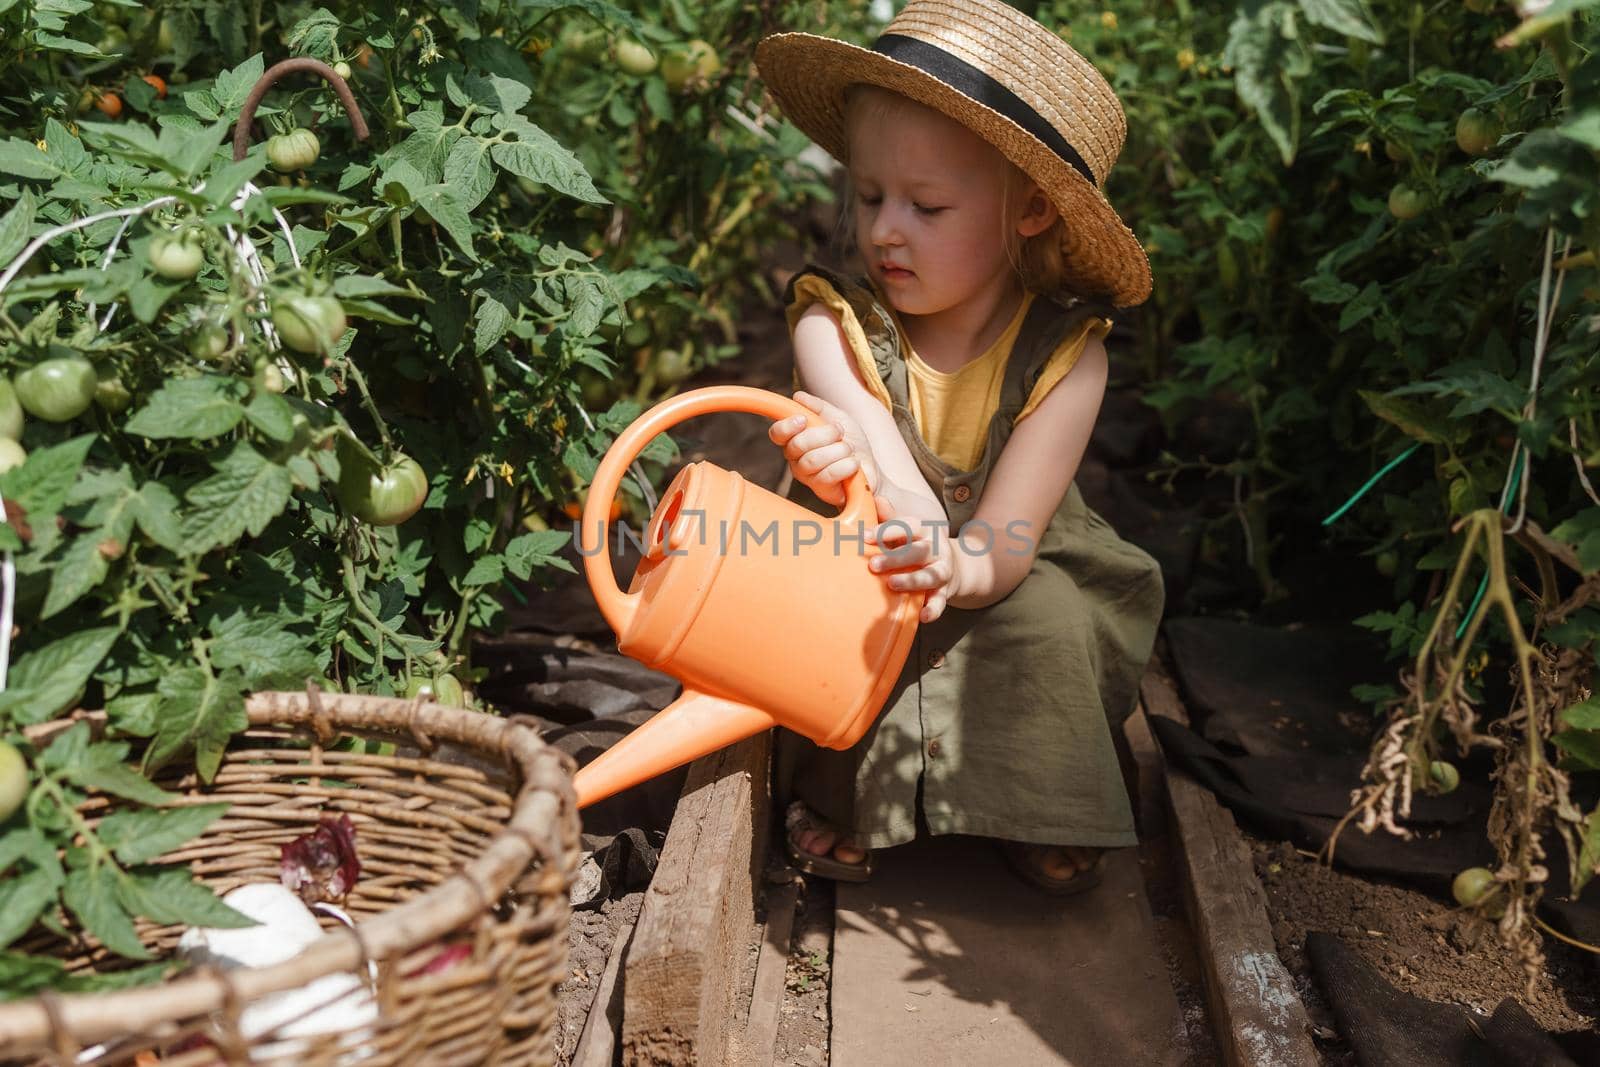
pixel 1029 479
pixel 829 371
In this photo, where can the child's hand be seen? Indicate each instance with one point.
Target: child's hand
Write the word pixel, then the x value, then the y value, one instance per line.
pixel 925 560
pixel 823 457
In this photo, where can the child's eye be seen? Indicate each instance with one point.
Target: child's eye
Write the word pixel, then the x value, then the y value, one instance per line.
pixel 924 209
pixel 870 201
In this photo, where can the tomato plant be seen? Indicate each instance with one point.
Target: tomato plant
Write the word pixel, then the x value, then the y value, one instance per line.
pixel 451 293
pixel 1428 287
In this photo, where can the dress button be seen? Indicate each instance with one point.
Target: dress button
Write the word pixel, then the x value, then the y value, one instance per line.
pixel 934 748
pixel 936 658
pixel 962 494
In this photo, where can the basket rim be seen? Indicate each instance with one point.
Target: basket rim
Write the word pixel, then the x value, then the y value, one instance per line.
pixel 543 821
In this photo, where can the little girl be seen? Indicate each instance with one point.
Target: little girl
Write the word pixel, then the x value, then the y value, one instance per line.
pixel 962 377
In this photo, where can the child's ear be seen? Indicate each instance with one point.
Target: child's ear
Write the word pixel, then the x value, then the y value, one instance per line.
pixel 1039 213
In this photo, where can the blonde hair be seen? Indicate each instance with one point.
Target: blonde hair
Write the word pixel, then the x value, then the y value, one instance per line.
pixel 1037 260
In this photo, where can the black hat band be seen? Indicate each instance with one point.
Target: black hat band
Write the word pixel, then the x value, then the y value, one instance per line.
pixel 968 80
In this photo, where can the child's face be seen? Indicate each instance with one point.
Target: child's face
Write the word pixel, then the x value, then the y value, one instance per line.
pixel 929 197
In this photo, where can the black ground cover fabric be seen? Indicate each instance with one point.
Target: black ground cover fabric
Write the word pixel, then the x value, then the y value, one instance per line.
pixel 1388 1027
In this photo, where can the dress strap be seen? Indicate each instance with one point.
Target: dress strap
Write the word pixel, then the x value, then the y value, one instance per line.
pixel 1047 325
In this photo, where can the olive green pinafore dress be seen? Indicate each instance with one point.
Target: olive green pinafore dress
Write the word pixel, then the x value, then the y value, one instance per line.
pixel 1000 722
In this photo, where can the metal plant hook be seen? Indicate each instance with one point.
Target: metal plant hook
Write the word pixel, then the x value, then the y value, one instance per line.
pixel 241 129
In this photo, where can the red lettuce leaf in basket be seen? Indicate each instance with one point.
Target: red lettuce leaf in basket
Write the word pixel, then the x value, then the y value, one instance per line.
pixel 322 865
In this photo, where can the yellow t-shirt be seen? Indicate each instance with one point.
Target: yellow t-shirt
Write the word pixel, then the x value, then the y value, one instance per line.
pixel 951 409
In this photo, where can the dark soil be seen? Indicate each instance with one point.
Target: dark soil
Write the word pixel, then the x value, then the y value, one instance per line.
pixel 591 936
pixel 1421 945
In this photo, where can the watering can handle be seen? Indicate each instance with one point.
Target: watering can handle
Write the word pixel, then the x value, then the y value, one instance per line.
pixel 618 607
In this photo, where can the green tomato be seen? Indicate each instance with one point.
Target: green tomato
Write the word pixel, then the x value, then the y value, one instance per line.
pixel 1477 132
pixel 1444 775
pixel 634 58
pixel 177 256
pixel 691 66
pixel 10 411
pixel 342 69
pixel 57 390
pixel 444 689
pixel 295 150
pixel 673 365
pixel 1407 201
pixel 637 334
pixel 1395 153
pixel 1473 886
pixel 110 393
pixel 11 454
pixel 13 780
pixel 583 39
pixel 382 496
pixel 208 342
pixel 268 376
pixel 1388 563
pixel 308 323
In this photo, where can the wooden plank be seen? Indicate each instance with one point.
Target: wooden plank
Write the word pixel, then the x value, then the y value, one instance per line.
pixel 1257 1015
pixel 597 1045
pixel 760 1038
pixel 680 976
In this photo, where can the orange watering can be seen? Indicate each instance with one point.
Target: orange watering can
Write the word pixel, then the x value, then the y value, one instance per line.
pixel 767 612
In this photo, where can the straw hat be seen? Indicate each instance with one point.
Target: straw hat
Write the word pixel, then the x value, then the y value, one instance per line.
pixel 1012 82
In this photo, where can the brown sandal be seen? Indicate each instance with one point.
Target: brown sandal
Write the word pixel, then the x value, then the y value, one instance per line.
pixel 798 819
pixel 1028 861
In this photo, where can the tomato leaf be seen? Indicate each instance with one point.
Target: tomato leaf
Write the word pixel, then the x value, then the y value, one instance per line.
pixel 45 680
pixel 73 572
pixel 1581 747
pixel 246 492
pixel 22 900
pixel 102 768
pixel 197 710
pixel 91 895
pixel 29 844
pixel 22 975
pixel 1349 17
pixel 271 414
pixel 467 170
pixel 207 406
pixel 142 835
pixel 1587 864
pixel 172 896
pixel 536 549
pixel 40 486
pixel 538 156
pixel 15 227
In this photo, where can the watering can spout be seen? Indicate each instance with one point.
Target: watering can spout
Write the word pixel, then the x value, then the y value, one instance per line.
pixel 696 724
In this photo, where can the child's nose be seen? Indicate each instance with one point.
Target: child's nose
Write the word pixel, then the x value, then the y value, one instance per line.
pixel 885 227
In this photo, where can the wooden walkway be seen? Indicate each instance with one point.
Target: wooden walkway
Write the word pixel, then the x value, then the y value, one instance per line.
pixel 946 957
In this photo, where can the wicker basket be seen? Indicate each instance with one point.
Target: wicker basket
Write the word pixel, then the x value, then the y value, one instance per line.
pixel 467 834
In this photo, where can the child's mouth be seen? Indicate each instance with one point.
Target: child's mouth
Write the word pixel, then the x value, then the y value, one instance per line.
pixel 893 274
